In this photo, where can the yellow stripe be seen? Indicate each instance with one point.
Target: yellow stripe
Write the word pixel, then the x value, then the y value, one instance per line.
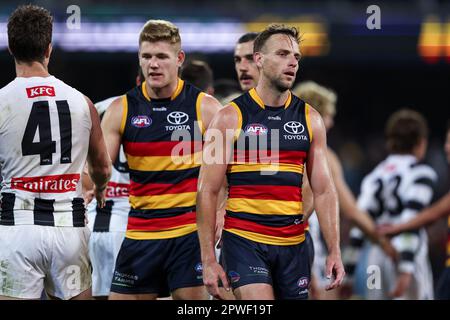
pixel 144 90
pixel 164 201
pixel 264 207
pixel 262 167
pixel 124 114
pixel 166 234
pixel 256 98
pixel 165 163
pixel 447 263
pixel 178 89
pixel 198 108
pixel 288 101
pixel 308 121
pixel 259 101
pixel 239 126
pixel 262 238
pixel 180 84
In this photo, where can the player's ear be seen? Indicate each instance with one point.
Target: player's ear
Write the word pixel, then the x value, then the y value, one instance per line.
pixel 258 57
pixel 180 58
pixel 48 51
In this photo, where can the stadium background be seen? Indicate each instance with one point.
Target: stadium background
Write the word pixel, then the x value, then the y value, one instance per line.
pixel 406 63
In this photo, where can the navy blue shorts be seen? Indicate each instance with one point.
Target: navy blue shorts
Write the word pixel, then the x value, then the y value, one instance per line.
pixel 286 268
pixel 158 266
pixel 443 288
pixel 310 244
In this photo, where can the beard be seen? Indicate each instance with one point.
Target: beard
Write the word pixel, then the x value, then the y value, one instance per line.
pixel 281 85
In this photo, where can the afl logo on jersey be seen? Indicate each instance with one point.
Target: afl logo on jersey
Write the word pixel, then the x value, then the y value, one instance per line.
pixel 294 127
pixel 141 121
pixel 256 129
pixel 177 118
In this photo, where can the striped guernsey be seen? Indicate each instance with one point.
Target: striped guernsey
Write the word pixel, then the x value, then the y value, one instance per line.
pixel 163 166
pixel 266 173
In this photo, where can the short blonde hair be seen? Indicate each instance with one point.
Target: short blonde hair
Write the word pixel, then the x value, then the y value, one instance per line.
pixel 160 30
pixel 320 98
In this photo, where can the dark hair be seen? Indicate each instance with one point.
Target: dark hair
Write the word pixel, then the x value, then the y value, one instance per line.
pixel 448 125
pixel 404 130
pixel 198 73
pixel 272 29
pixel 29 33
pixel 249 36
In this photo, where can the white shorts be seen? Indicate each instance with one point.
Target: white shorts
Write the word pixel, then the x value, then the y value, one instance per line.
pixel 36 258
pixel 421 287
pixel 103 250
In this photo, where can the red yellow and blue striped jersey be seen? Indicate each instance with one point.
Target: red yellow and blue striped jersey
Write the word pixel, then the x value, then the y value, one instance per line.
pixel 265 177
pixel 162 140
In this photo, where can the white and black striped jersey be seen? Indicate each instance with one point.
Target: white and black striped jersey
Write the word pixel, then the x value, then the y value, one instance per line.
pixel 45 127
pixel 394 192
pixel 114 216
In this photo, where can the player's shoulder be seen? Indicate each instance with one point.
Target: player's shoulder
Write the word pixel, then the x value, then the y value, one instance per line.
pixel 422 170
pixel 8 88
pixel 66 87
pixel 103 105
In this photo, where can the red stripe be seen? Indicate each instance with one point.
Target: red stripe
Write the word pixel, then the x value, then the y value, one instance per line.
pixel 282 232
pixel 153 189
pixel 156 224
pixel 162 148
pixel 265 192
pixel 263 156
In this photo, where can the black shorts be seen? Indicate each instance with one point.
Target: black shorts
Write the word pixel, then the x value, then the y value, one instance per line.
pixel 443 288
pixel 158 266
pixel 310 244
pixel 286 268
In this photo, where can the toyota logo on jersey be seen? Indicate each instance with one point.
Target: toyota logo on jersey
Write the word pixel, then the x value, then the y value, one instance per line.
pixel 177 117
pixel 294 127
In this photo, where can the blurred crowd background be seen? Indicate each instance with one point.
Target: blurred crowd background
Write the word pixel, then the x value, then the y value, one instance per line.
pixel 374 72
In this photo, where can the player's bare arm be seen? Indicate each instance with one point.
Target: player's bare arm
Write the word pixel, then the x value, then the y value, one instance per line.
pixel 99 163
pixel 211 179
pixel 325 198
pixel 209 107
pixel 348 206
pixel 111 124
pixel 438 210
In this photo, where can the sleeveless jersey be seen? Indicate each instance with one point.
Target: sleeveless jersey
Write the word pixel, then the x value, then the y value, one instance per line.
pixel 114 216
pixel 41 154
pixel 265 177
pixel 394 192
pixel 162 140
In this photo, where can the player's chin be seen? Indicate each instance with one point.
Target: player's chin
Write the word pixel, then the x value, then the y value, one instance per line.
pixel 246 86
pixel 157 83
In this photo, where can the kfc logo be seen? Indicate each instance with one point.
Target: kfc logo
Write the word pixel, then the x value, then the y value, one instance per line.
pixel 40 91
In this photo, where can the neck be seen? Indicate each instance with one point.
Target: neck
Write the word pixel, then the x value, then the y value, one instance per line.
pixel 32 69
pixel 269 95
pixel 162 93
